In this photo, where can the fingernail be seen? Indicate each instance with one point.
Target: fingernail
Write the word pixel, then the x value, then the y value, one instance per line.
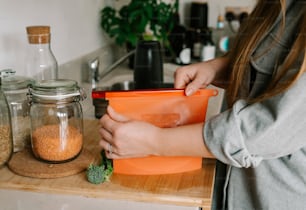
pixel 188 91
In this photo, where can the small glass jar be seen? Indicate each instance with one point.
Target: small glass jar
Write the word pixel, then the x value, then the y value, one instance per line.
pixel 56 120
pixel 15 89
pixel 6 142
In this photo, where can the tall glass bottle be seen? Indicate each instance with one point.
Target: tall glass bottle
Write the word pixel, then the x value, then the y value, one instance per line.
pixel 40 62
pixel 6 142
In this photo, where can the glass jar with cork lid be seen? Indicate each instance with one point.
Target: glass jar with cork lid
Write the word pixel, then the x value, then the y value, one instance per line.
pixel 56 120
pixel 40 61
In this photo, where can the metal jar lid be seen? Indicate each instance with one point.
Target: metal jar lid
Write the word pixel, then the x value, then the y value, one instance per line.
pixel 13 83
pixel 56 90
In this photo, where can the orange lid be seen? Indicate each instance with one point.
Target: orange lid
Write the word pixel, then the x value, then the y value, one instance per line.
pixel 150 93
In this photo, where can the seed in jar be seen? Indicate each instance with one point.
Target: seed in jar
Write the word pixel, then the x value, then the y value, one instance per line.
pixel 56 143
pixel 5 144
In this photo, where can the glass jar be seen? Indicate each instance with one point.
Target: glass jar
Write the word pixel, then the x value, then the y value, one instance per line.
pixel 56 120
pixel 40 61
pixel 6 142
pixel 15 89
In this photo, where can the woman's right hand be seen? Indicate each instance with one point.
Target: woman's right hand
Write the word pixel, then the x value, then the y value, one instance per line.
pixel 200 75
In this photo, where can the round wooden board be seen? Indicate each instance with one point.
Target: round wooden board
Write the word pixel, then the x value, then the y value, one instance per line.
pixel 23 163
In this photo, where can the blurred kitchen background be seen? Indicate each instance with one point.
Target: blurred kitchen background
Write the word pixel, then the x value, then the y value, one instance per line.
pixel 76 35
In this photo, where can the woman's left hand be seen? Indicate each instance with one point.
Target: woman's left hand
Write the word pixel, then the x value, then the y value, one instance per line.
pixel 122 137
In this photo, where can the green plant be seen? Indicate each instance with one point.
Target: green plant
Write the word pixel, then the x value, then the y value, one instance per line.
pixel 133 21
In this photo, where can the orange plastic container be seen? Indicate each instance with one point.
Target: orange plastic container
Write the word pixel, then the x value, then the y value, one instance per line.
pixel 163 108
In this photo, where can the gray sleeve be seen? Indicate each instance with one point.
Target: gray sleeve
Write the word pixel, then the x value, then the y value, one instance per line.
pixel 246 134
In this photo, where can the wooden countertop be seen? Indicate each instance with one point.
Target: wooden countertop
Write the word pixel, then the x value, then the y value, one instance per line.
pixel 187 189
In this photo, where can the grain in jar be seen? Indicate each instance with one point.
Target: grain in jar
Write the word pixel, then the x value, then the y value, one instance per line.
pixel 6 143
pixel 56 142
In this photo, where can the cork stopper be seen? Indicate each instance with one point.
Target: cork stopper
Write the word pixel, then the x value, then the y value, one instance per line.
pixel 38 34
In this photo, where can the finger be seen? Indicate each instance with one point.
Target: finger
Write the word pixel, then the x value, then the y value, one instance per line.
pixel 193 86
pixel 181 79
pixel 104 121
pixel 181 83
pixel 116 116
pixel 107 146
pixel 103 144
pixel 112 155
pixel 108 123
pixel 105 134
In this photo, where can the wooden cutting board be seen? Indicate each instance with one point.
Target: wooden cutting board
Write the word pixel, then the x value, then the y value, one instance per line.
pixel 24 163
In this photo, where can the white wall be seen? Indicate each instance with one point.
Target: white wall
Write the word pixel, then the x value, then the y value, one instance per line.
pixel 74 26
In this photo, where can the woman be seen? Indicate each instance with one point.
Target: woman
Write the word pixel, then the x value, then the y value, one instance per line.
pixel 262 135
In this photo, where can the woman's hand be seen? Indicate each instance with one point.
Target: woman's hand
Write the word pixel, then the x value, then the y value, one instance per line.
pixel 193 77
pixel 200 75
pixel 124 138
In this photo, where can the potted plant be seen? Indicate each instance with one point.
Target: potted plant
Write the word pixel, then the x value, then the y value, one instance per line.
pixel 139 20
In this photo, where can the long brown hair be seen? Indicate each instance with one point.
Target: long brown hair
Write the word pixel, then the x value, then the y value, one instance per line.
pixel 259 22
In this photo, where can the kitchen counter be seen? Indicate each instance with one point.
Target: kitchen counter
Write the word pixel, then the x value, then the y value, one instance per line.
pixel 188 190
pixel 183 191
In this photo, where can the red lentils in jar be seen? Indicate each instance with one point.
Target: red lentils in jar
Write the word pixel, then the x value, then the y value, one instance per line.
pixel 54 143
